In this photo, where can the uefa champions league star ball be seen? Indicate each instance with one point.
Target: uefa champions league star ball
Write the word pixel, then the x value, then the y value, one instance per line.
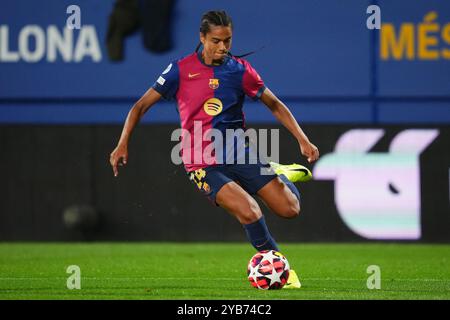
pixel 268 270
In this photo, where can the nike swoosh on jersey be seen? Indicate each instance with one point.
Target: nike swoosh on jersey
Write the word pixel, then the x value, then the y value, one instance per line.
pixel 193 75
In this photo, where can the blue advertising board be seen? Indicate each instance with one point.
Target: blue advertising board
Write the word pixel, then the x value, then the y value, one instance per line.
pixel 309 48
pixel 318 56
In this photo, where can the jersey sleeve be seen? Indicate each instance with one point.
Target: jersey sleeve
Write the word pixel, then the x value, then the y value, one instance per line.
pixel 167 83
pixel 252 83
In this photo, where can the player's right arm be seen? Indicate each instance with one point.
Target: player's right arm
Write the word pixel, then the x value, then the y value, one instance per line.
pixel 165 86
pixel 119 156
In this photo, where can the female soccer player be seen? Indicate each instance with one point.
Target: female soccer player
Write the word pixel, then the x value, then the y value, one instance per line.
pixel 209 86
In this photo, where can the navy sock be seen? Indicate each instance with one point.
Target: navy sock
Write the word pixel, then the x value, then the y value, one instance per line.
pixel 290 186
pixel 259 235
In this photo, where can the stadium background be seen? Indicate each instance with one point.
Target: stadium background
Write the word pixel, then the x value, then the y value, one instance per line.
pixel 61 116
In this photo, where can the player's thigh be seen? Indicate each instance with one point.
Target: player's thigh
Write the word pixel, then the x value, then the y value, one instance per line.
pixel 233 198
pixel 280 199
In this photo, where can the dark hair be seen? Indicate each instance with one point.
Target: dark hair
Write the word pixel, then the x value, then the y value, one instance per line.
pixel 215 18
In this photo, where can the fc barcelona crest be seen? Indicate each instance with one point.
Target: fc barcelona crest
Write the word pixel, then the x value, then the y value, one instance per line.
pixel 214 83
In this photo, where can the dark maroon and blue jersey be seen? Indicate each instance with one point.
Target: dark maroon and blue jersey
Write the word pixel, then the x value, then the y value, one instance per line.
pixel 208 97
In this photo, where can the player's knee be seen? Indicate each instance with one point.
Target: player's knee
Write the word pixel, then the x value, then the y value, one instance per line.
pixel 250 213
pixel 292 209
pixel 295 210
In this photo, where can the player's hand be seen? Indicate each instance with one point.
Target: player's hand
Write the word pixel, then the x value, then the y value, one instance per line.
pixel 310 151
pixel 119 156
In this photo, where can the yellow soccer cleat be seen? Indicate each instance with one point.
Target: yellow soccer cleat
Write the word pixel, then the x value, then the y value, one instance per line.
pixel 294 172
pixel 293 281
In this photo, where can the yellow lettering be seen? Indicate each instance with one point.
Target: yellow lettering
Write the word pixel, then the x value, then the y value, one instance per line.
pixel 397 47
pixel 446 37
pixel 425 41
pixel 200 174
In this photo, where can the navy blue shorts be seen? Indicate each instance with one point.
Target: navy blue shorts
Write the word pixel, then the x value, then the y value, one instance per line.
pixel 251 177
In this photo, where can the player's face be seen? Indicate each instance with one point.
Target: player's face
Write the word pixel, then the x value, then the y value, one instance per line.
pixel 216 43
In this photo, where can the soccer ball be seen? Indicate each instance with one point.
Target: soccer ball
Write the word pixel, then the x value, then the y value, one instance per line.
pixel 268 270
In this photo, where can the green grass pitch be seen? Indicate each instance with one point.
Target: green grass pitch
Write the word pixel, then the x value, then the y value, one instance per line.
pixel 218 271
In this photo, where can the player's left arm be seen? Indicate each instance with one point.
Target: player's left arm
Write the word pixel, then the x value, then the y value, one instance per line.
pixel 284 115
